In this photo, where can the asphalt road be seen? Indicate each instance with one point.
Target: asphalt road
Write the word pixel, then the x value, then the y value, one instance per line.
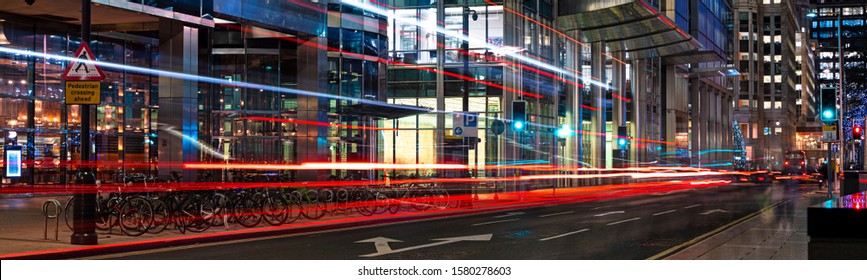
pixel 626 228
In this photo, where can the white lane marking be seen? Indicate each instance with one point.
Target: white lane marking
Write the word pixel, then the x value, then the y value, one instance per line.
pixel 609 213
pixel 713 211
pixel 441 241
pixel 555 214
pixel 600 207
pixel 692 206
pixel 664 212
pixel 380 243
pixel 509 214
pixel 565 234
pixel 619 222
pixel 494 222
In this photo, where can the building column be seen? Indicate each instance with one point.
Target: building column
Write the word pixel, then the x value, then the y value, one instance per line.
pixel 704 118
pixel 312 139
pixel 179 52
pixel 618 112
pixel 670 109
pixel 574 99
pixel 713 125
pixel 638 87
pixel 694 116
pixel 720 135
pixel 597 70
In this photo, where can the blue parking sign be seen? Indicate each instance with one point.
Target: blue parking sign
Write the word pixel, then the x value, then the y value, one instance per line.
pixel 471 120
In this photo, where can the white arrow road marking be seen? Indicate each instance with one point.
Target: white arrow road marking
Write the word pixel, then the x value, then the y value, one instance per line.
pixel 609 213
pixel 381 244
pixel 441 241
pixel 713 211
pixel 565 234
pixel 509 214
pixel 692 206
pixel 494 222
pixel 619 222
pixel 664 212
pixel 555 214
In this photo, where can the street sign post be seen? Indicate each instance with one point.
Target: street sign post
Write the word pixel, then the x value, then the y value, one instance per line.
pixel 829 133
pixel 84 69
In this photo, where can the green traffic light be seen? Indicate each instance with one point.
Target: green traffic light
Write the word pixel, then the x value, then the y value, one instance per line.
pixel 518 125
pixel 564 131
pixel 828 114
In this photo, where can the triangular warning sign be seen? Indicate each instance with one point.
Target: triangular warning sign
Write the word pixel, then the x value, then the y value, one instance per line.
pixel 83 71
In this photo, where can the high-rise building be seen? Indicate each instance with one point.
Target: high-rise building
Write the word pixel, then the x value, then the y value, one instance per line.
pixel 769 99
pixel 839 27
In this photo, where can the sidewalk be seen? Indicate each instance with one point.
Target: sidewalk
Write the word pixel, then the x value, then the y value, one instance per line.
pixel 778 233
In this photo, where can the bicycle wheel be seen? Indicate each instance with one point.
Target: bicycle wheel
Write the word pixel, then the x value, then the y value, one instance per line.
pixel 161 218
pixel 315 209
pixel 248 211
pixel 275 209
pixel 106 212
pixel 135 216
pixel 221 206
pixel 197 213
pixel 67 212
pixel 328 200
pixel 364 200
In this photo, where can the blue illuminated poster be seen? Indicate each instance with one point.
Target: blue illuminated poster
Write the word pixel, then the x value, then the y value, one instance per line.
pixel 13 163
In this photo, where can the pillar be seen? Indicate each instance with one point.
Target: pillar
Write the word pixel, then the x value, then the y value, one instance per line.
pixel 179 52
pixel 597 70
pixel 694 115
pixel 639 91
pixel 312 139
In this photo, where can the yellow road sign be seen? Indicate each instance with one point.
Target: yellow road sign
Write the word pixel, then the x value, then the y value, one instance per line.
pixel 82 92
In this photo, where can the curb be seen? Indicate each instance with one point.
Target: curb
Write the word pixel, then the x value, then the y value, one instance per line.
pixel 686 245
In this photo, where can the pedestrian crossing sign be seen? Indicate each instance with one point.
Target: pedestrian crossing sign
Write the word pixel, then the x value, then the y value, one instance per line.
pixel 83 68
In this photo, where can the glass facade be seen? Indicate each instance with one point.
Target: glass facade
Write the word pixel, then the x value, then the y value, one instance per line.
pixel 32 101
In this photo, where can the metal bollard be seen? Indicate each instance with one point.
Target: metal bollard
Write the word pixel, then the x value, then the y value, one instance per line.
pixel 56 213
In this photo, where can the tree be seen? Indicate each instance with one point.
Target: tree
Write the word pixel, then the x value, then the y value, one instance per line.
pixel 740 154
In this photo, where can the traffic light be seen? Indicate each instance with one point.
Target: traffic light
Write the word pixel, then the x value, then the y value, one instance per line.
pixel 564 131
pixel 519 115
pixel 828 105
pixel 857 131
pixel 622 138
pixel 151 138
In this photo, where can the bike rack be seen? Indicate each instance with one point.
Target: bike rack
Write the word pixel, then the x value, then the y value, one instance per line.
pixel 52 215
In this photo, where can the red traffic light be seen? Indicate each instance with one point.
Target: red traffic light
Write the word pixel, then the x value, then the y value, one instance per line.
pixel 857 131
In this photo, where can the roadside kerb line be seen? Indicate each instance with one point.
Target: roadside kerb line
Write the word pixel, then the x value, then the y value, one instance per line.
pixel 702 237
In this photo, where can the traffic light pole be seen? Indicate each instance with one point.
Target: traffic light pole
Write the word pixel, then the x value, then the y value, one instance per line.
pixel 84 216
pixel 830 172
pixel 465 49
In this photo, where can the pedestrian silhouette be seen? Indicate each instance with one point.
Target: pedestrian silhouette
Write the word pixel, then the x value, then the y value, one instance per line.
pixel 84 57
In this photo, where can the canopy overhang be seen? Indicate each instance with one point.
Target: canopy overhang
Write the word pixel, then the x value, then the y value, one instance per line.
pixel 631 26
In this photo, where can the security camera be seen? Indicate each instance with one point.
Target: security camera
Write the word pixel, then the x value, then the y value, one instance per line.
pixel 30 2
